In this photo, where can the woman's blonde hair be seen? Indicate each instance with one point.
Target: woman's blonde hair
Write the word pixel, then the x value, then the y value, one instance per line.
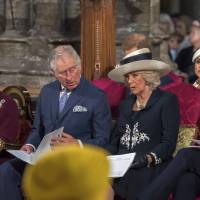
pixel 152 78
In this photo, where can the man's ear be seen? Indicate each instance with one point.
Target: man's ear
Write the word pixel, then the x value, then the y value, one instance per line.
pixel 80 67
pixel 52 72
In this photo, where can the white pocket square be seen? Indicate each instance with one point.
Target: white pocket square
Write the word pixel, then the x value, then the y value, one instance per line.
pixel 79 109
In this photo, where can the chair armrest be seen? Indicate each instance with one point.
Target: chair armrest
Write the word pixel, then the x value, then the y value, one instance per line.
pixel 6 145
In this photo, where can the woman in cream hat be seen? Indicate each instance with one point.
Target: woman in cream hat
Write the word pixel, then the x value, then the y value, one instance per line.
pixel 196 61
pixel 148 122
pixel 68 173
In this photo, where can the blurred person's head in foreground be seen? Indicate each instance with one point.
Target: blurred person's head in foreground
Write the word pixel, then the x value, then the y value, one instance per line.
pixel 71 173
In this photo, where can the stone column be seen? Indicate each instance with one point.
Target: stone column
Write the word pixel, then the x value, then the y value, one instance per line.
pixel 2 16
pixel 71 17
pixel 154 32
pixel 17 17
pixel 48 15
pixel 174 6
pixel 136 16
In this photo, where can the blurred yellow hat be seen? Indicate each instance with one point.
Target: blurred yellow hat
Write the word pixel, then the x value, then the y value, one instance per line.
pixel 68 173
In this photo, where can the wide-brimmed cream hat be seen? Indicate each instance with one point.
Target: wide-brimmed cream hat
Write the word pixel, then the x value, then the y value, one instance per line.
pixel 139 60
pixel 196 55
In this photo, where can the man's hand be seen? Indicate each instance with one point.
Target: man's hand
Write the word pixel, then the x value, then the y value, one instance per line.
pixel 65 139
pixel 27 148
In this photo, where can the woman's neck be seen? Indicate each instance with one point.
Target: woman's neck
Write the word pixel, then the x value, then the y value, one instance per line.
pixel 141 100
pixel 144 96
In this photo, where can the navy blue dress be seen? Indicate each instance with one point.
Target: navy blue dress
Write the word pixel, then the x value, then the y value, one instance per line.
pixel 153 129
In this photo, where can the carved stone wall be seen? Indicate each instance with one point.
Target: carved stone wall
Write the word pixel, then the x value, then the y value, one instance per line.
pixel 29 29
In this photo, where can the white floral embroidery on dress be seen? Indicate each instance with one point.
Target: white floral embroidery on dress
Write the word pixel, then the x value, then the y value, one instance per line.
pixel 2 101
pixel 137 136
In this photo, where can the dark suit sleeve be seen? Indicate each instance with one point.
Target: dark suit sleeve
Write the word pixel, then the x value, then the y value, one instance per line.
pixel 170 126
pixel 37 131
pixel 101 122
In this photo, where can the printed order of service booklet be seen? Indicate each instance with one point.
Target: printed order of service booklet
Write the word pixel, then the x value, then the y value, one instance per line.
pixel 119 164
pixel 43 147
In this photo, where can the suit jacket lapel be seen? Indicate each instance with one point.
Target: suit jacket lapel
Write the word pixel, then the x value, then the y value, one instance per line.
pixel 71 102
pixel 73 99
pixel 155 96
pixel 55 94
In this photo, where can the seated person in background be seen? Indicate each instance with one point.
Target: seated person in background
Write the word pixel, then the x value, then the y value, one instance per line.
pixel 174 44
pixel 115 91
pixel 9 126
pixel 71 173
pixel 148 122
pixel 196 61
pixel 70 102
pixel 183 173
pixel 182 27
pixel 171 82
pixel 184 58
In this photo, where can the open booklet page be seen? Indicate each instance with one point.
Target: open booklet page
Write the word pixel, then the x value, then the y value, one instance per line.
pixel 119 164
pixel 43 147
pixel 196 143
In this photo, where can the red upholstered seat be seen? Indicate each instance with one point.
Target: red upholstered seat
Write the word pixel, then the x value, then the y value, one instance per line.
pixel 187 96
pixel 188 100
pixel 14 115
pixel 114 91
pixel 9 117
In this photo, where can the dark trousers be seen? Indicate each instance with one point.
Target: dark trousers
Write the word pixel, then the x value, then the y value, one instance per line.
pixel 187 187
pixel 10 180
pixel 181 176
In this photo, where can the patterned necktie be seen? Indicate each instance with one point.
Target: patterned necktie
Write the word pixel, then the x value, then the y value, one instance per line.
pixel 63 99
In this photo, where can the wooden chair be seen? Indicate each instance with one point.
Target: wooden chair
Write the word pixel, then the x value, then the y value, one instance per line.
pixel 187 133
pixel 22 98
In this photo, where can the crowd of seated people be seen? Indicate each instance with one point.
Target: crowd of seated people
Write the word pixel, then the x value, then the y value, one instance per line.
pixel 137 87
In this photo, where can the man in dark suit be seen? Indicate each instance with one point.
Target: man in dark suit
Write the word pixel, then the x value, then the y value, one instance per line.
pixel 70 102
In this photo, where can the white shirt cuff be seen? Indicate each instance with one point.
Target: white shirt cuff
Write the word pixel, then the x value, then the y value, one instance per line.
pixel 32 146
pixel 80 143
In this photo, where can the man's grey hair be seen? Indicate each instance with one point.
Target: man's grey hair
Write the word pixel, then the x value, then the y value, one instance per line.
pixel 62 51
pixel 152 78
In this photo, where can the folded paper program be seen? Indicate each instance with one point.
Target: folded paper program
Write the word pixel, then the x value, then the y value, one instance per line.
pixel 119 164
pixel 43 147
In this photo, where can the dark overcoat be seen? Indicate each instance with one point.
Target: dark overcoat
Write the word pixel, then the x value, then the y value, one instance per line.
pixel 153 129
